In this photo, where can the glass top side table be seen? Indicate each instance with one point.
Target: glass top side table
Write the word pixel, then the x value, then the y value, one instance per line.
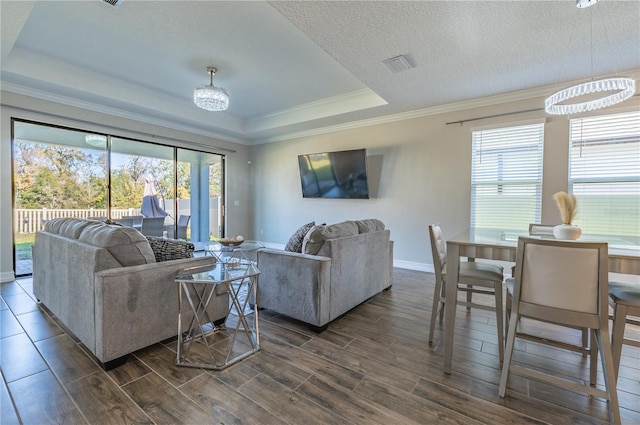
pixel 217 346
pixel 226 253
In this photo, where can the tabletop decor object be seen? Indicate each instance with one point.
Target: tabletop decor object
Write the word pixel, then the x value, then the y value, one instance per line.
pixel 231 241
pixel 568 205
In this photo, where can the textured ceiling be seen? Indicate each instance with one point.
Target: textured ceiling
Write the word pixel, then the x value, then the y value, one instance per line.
pixel 298 66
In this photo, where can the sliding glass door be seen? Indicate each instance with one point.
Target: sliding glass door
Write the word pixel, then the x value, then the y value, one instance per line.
pixel 200 197
pixel 163 191
pixel 56 173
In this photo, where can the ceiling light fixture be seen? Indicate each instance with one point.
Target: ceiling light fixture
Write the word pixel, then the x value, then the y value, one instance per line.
pixel 210 97
pixel 622 88
pixel 585 3
pixel 97 140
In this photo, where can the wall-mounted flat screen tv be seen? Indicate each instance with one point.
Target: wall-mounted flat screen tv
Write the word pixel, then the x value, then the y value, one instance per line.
pixel 340 174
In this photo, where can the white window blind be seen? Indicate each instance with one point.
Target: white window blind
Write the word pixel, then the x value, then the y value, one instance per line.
pixel 506 177
pixel 604 174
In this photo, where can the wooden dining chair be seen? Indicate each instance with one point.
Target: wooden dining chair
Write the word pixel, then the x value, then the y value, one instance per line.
pixel 537 229
pixel 475 277
pixel 625 300
pixel 564 283
pixel 545 231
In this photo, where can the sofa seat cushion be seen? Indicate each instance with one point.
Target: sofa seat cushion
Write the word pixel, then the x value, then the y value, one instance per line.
pixel 295 241
pixel 128 246
pixel 170 249
pixel 315 238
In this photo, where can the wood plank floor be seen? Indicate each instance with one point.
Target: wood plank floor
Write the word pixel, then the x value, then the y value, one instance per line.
pixel 372 366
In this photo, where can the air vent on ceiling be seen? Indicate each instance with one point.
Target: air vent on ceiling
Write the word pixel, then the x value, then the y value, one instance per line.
pixel 398 64
pixel 114 3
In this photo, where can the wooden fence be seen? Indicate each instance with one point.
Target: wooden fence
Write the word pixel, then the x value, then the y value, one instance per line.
pixel 30 221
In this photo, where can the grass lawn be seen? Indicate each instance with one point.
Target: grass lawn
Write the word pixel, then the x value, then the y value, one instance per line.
pixel 23 243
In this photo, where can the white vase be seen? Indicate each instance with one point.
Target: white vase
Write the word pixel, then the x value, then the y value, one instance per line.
pixel 567 232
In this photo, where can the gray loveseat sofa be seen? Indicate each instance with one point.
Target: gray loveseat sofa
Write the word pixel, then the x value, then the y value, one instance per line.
pixel 339 267
pixel 104 284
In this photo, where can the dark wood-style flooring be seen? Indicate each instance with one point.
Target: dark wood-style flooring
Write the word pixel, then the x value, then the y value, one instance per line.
pixel 372 366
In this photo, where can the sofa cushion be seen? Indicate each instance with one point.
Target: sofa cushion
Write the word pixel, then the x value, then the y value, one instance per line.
pixel 53 225
pixel 128 246
pixel 170 249
pixel 314 240
pixel 72 228
pixel 295 241
pixel 369 225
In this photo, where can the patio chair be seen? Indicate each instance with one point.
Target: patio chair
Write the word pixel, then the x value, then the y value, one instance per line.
pixel 137 220
pixel 152 226
pixel 183 223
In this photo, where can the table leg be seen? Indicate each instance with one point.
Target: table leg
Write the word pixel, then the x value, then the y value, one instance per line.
pixel 450 303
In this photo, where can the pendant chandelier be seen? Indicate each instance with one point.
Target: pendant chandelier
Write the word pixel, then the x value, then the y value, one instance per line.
pixel 210 97
pixel 598 94
pixel 97 140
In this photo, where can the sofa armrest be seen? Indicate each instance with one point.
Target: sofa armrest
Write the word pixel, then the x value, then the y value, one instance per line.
pixel 294 284
pixel 137 306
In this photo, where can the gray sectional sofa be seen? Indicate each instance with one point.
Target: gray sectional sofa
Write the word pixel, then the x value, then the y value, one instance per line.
pixel 338 267
pixel 104 284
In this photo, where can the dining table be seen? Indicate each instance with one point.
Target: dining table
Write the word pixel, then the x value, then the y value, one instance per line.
pixel 501 245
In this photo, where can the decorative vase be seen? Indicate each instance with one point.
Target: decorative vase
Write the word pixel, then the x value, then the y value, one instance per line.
pixel 567 232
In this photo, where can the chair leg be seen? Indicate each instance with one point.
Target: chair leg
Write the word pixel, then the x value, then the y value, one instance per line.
pixel 593 357
pixel 469 296
pixel 585 339
pixel 434 308
pixel 441 305
pixel 508 354
pixel 499 320
pixel 602 337
pixel 617 334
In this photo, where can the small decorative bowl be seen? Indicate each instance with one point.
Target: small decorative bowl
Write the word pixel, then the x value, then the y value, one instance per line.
pixel 230 242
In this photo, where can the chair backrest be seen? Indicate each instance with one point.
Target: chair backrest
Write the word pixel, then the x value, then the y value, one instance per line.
pixel 128 222
pixel 183 220
pixel 137 219
pixel 438 248
pixel 152 226
pixel 562 281
pixel 536 229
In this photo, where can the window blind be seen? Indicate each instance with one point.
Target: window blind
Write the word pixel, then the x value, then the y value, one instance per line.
pixel 604 174
pixel 506 177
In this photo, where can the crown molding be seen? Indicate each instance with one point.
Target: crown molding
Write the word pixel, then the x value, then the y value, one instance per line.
pixel 94 107
pixel 528 94
pixel 323 108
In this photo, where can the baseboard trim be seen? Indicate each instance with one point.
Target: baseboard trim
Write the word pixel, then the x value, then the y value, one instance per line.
pixel 7 276
pixel 411 265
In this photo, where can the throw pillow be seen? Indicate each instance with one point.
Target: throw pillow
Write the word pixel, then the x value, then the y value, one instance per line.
pixel 170 249
pixel 295 241
pixel 314 240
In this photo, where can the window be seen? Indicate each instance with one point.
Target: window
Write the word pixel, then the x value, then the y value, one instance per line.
pixel 604 174
pixel 506 177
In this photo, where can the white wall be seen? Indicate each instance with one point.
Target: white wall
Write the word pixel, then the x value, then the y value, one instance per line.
pixel 23 107
pixel 419 167
pixel 425 177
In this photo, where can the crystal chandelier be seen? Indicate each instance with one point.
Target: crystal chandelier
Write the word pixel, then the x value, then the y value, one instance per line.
pixel 598 94
pixel 210 97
